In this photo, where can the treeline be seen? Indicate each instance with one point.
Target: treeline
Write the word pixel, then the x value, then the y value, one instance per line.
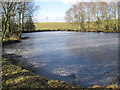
pixel 16 17
pixel 97 16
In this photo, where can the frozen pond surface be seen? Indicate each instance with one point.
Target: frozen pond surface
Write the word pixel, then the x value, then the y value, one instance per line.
pixel 80 57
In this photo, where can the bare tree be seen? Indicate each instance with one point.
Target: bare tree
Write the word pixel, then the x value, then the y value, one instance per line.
pixel 14 16
pixel 96 15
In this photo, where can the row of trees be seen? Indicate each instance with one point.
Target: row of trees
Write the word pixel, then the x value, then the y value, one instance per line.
pixel 16 17
pixel 94 15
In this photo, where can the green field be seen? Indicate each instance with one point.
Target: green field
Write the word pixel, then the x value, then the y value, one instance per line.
pixel 91 27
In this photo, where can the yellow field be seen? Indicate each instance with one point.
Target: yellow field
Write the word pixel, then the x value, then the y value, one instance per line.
pixel 56 26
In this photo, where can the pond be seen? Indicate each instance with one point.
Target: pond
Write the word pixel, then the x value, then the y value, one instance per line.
pixel 83 58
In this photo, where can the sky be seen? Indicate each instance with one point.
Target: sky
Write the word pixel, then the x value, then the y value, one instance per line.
pixel 54 10
pixel 51 11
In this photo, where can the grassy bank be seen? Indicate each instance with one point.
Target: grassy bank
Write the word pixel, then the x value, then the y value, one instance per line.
pixel 13 40
pixel 15 76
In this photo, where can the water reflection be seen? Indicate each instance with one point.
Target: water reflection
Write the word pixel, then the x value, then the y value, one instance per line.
pixel 83 58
